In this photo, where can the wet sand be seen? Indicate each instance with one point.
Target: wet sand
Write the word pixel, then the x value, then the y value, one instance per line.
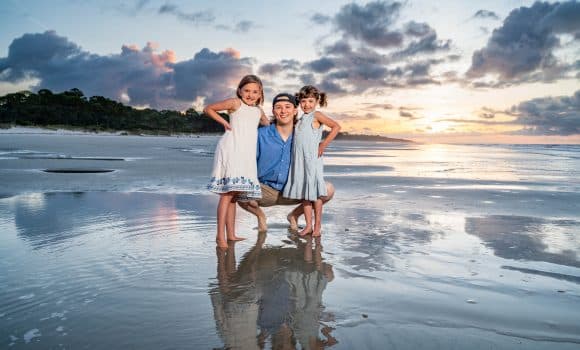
pixel 414 253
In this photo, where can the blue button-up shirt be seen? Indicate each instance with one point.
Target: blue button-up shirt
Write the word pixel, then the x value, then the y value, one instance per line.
pixel 273 156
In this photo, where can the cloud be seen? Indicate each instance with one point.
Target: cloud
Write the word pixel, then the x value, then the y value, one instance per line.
pixel 279 67
pixel 384 106
pixel 354 71
pixel 365 68
pixel 145 76
pixel 550 115
pixel 374 52
pixel 426 41
pixel 338 48
pixel 141 4
pixel 418 29
pixel 547 116
pixel 487 113
pixel 319 18
pixel 353 116
pixel 240 27
pixel 209 74
pixel 407 112
pixel 522 49
pixel 131 9
pixel 244 26
pixel 408 115
pixel 453 57
pixel 196 18
pixel 490 113
pixel 42 51
pixel 370 116
pixel 307 79
pixel 332 87
pixel 409 108
pixel 360 71
pixel 420 69
pixel 321 65
pixel 475 121
pixel 427 44
pixel 563 18
pixel 486 14
pixel 370 23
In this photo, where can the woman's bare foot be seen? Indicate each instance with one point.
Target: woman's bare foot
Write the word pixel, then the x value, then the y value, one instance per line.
pixel 306 231
pixel 235 239
pixel 262 224
pixel 293 222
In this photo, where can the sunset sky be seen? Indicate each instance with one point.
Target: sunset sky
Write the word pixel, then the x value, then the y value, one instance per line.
pixel 433 71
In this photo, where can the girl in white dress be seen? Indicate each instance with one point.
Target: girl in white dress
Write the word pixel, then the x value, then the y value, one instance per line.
pixel 234 167
pixel 305 179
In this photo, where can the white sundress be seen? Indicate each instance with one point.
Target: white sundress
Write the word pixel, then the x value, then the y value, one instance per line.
pixel 234 162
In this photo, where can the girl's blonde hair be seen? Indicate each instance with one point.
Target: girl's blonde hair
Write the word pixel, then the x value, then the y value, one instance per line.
pixel 248 79
pixel 311 91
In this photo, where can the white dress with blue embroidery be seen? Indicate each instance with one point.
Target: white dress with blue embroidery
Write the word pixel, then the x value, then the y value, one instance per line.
pixel 234 162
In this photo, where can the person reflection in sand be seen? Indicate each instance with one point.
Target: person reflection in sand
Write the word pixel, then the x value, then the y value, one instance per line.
pixel 275 292
pixel 307 283
pixel 235 300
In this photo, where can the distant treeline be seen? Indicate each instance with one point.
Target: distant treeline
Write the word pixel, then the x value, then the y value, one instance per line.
pixel 72 108
pixel 358 137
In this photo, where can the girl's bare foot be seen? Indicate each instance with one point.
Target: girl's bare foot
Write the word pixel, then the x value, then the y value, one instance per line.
pixel 235 239
pixel 317 230
pixel 293 222
pixel 306 231
pixel 221 244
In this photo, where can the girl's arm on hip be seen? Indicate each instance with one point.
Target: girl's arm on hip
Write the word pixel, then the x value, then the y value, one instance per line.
pixel 230 105
pixel 334 130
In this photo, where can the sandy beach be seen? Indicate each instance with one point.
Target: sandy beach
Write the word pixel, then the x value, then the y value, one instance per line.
pixel 423 247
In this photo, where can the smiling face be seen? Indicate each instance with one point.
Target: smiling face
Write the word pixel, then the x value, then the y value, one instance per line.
pixel 308 104
pixel 250 93
pixel 284 112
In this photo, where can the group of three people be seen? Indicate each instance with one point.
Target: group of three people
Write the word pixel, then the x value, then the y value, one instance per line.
pixel 277 164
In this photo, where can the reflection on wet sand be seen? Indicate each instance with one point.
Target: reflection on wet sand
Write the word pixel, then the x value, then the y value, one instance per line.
pixel 555 275
pixel 45 219
pixel 528 238
pixel 273 296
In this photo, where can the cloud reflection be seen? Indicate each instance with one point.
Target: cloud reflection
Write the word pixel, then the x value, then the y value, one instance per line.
pixel 527 238
pixel 46 219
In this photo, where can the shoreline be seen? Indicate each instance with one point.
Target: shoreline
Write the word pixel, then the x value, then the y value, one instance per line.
pixel 35 130
pixel 62 130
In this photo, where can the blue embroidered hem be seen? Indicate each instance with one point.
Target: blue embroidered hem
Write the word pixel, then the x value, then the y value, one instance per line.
pixel 237 184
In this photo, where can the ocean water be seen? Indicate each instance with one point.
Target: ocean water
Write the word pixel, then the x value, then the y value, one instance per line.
pixel 423 246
